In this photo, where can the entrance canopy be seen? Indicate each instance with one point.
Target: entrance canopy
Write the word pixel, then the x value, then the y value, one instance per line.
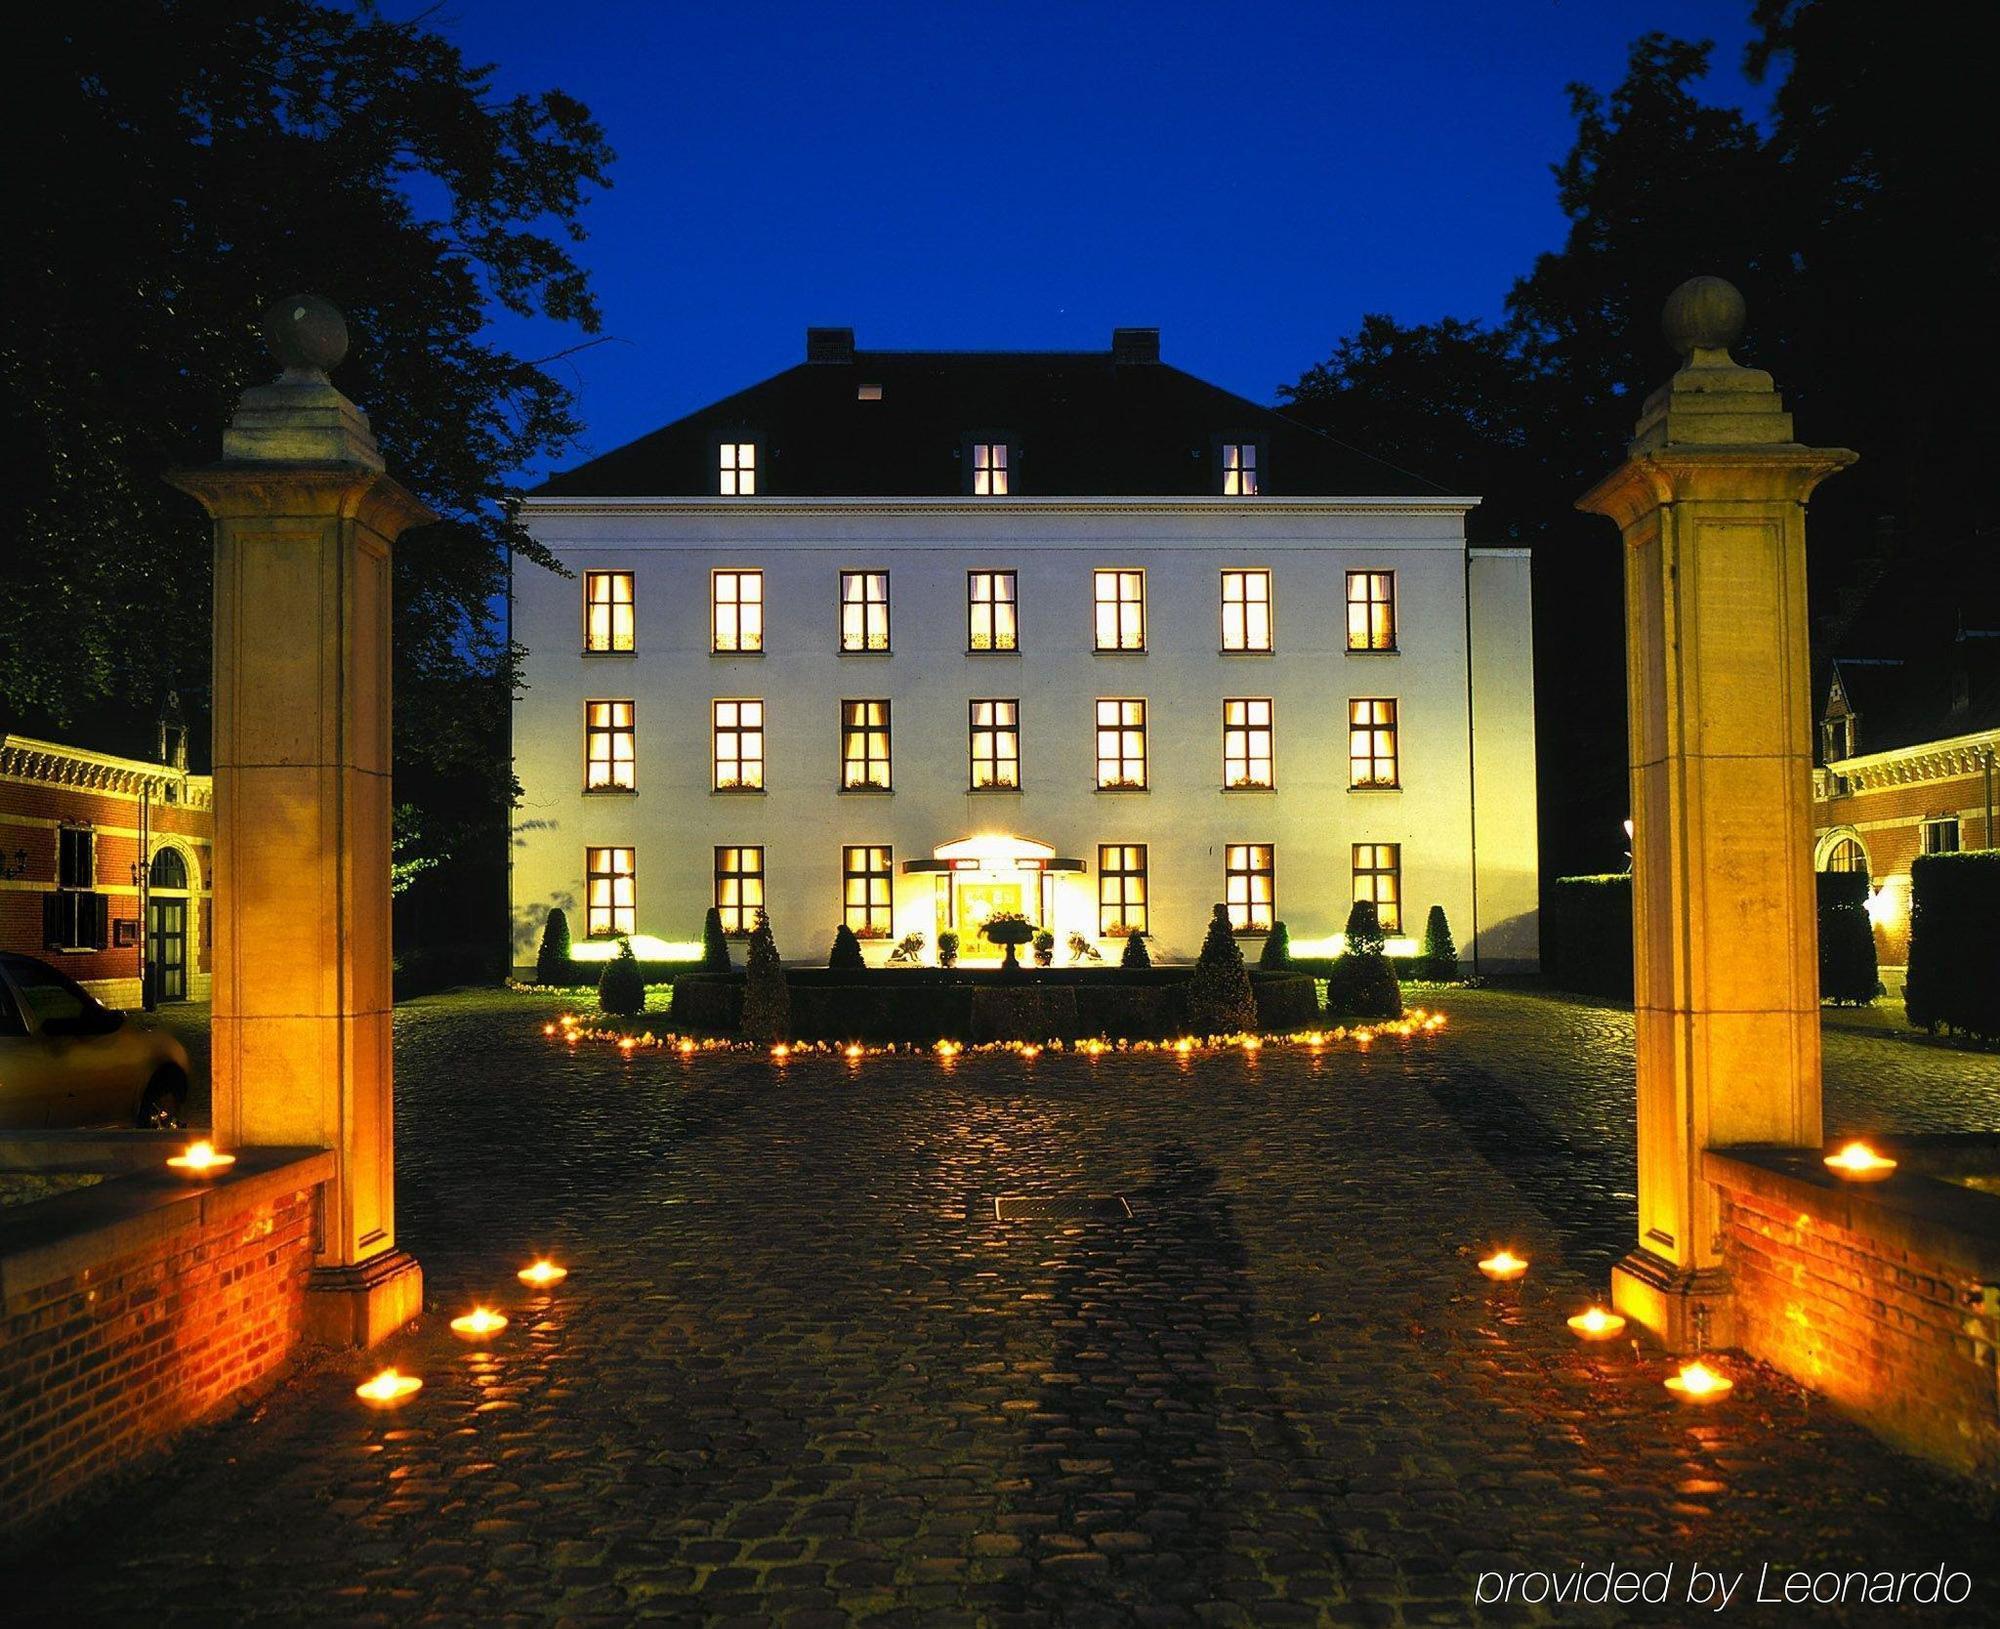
pixel 995 852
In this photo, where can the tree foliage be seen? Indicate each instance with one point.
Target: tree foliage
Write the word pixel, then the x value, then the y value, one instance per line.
pixel 196 160
pixel 1220 1000
pixel 767 998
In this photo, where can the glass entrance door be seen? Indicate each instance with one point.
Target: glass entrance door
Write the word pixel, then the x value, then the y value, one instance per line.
pixel 167 948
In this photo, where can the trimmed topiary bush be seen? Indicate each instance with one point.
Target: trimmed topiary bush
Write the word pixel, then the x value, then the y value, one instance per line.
pixel 622 988
pixel 1589 943
pixel 1363 985
pixel 1135 953
pixel 1276 956
pixel 1045 948
pixel 1954 979
pixel 846 955
pixel 1220 1001
pixel 1847 973
pixel 767 1003
pixel 714 943
pixel 1364 930
pixel 947 949
pixel 552 956
pixel 1285 1001
pixel 1440 958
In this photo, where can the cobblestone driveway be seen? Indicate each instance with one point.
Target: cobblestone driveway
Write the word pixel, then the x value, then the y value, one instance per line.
pixel 801 1375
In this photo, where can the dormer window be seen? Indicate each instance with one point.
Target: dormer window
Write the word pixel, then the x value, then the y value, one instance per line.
pixel 1839 733
pixel 736 475
pixel 1240 464
pixel 990 469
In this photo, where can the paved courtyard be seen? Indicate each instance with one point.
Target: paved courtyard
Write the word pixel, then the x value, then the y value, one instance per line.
pixel 801 1375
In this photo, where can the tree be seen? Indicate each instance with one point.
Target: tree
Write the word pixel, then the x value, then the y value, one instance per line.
pixel 197 160
pixel 714 943
pixel 1220 1000
pixel 1364 930
pixel 767 1001
pixel 1276 955
pixel 621 988
pixel 1440 960
pixel 552 956
pixel 1135 953
pixel 845 956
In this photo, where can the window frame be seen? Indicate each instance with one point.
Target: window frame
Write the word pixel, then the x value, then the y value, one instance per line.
pixel 973 730
pixel 762 602
pixel 1121 728
pixel 973 603
pixel 868 876
pixel 631 604
pixel 1259 449
pixel 1375 872
pixel 1374 729
pixel 739 729
pixel 612 876
pixel 1125 905
pixel 869 731
pixel 591 733
pixel 75 916
pixel 866 575
pixel 1248 729
pixel 1270 602
pixel 1367 575
pixel 1009 466
pixel 744 914
pixel 1938 823
pixel 1119 574
pixel 1249 872
pixel 735 470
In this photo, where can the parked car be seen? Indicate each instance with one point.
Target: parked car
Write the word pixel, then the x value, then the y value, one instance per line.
pixel 66 1059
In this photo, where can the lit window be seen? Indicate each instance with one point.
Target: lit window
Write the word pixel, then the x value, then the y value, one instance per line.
pixel 736 610
pixel 1121 609
pixel 739 888
pixel 607 611
pixel 989 469
pixel 1239 469
pixel 1941 836
pixel 608 747
pixel 74 917
pixel 1121 743
pixel 1371 610
pixel 864 610
pixel 1378 877
pixel 739 746
pixel 1246 610
pixel 990 603
pixel 1246 741
pixel 864 744
pixel 737 474
pixel 868 393
pixel 1846 855
pixel 1251 886
pixel 1121 889
pixel 864 879
pixel 610 899
pixel 1371 743
pixel 996 744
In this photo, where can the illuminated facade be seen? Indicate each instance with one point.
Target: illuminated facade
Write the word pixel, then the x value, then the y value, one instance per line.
pixel 902 640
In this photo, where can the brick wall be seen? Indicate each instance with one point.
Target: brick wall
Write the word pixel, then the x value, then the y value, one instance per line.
pixel 1853 1303
pixel 115 1337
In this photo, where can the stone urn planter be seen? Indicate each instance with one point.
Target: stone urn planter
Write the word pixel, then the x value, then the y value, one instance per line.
pixel 1008 930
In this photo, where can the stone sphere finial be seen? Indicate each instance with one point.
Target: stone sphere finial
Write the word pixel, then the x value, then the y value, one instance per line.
pixel 306 334
pixel 1703 314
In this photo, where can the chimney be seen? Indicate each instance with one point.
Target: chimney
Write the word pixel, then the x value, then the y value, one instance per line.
pixel 829 344
pixel 1135 345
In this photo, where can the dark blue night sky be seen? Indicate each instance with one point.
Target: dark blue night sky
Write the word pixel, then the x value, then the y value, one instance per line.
pixel 1250 178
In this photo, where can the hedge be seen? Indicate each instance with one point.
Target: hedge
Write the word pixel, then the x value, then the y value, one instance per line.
pixel 577 975
pixel 1588 947
pixel 1847 973
pixel 1954 977
pixel 929 1004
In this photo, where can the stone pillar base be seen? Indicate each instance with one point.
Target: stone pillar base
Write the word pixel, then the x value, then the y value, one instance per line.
pixel 1685 1310
pixel 365 1303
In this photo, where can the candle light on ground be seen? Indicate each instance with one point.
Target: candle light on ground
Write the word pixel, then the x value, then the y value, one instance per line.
pixel 201 1159
pixel 1595 1324
pixel 1503 1266
pixel 479 1323
pixel 1697 1382
pixel 1857 1162
pixel 388 1388
pixel 542 1273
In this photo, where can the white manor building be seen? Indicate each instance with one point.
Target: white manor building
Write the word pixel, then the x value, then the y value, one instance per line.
pixel 906 638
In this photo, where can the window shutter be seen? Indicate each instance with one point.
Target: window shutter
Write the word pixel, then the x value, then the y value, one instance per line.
pixel 100 928
pixel 52 921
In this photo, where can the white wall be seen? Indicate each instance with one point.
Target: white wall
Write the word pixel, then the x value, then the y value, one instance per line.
pixel 927 546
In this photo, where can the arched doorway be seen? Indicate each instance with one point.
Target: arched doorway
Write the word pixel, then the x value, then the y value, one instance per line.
pixel 167 925
pixel 1842 851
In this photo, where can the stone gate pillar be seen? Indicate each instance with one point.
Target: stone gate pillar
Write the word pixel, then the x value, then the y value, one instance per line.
pixel 304 519
pixel 1711 500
